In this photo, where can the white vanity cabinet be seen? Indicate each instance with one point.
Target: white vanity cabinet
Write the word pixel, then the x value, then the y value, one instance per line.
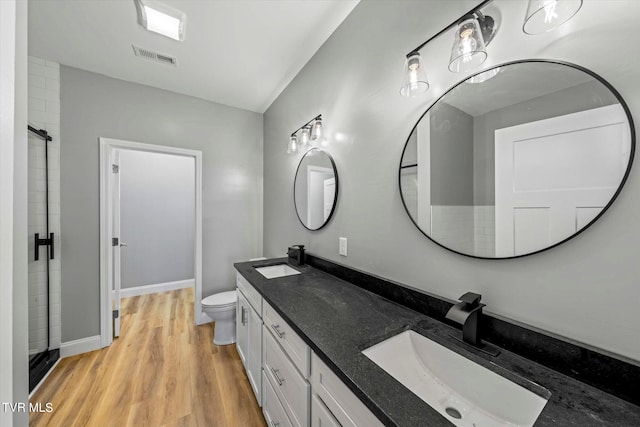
pixel 286 365
pixel 343 407
pixel 249 333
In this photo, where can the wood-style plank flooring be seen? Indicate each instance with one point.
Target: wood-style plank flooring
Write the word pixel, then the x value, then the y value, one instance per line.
pixel 162 371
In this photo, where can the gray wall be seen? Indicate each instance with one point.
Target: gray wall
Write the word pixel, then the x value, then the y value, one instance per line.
pixel 451 156
pixel 158 217
pixel 353 80
pixel 230 139
pixel 582 97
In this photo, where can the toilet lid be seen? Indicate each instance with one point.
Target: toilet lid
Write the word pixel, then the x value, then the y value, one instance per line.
pixel 221 299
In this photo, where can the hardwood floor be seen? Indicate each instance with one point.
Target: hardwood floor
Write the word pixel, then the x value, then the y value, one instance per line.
pixel 162 371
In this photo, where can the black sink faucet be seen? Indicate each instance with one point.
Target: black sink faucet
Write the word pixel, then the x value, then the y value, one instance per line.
pixel 467 313
pixel 297 253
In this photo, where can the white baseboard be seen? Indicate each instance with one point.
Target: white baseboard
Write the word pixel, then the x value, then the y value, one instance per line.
pixel 83 345
pixel 157 287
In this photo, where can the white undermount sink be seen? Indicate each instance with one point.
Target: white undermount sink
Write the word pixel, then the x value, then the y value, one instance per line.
pixel 464 392
pixel 278 270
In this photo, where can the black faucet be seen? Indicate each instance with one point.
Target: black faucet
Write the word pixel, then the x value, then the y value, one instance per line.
pixel 467 313
pixel 297 253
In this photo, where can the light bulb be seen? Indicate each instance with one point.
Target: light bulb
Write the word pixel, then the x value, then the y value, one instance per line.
pixel 550 13
pixel 414 80
pixel 468 49
pixel 545 15
pixel 316 130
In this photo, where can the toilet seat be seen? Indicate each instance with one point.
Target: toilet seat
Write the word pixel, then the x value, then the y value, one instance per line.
pixel 221 300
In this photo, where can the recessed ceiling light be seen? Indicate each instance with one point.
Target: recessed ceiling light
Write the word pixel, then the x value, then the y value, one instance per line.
pixel 161 19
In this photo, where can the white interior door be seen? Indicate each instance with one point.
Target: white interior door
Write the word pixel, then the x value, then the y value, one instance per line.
pixel 554 176
pixel 316 175
pixel 116 243
pixel 329 196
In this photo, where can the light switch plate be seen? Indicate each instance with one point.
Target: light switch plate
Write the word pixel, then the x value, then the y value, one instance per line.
pixel 342 250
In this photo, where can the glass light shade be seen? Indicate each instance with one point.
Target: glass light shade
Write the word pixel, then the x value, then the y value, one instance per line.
pixel 414 76
pixel 292 147
pixel 304 136
pixel 483 77
pixel 317 132
pixel 545 15
pixel 468 49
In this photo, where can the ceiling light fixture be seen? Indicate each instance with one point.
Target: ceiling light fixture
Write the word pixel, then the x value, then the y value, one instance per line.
pixel 312 131
pixel 162 19
pixel 545 15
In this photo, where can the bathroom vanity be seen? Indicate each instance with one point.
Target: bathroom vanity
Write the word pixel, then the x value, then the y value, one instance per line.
pixel 315 327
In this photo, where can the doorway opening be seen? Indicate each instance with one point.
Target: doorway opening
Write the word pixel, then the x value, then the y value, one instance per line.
pixel 150 225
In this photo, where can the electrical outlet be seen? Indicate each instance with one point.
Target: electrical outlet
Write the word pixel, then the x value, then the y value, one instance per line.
pixel 342 250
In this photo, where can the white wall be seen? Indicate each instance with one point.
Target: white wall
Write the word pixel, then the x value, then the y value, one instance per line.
pixel 586 289
pixel 158 218
pixel 44 113
pixel 14 375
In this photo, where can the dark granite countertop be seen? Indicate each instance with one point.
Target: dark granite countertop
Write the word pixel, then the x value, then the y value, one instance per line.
pixel 338 320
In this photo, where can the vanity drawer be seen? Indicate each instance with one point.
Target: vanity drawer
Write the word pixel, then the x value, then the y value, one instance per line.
pixel 347 409
pixel 273 411
pixel 320 415
pixel 297 350
pixel 253 296
pixel 290 387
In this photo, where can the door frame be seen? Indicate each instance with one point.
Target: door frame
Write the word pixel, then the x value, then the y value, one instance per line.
pixel 107 146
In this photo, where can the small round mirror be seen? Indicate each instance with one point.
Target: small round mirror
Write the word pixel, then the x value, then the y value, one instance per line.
pixel 315 190
pixel 517 159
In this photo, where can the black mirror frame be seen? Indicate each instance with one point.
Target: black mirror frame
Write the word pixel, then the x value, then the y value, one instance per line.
pixel 613 198
pixel 335 197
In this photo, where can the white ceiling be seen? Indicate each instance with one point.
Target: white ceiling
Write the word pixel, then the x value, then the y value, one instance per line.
pixel 513 85
pixel 241 53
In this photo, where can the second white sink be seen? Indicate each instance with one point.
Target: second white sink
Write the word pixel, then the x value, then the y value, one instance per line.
pixel 464 392
pixel 278 270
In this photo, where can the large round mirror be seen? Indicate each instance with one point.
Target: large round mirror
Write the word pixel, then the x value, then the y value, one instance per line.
pixel 316 189
pixel 517 159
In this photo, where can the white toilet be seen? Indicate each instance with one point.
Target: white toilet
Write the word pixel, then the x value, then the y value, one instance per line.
pixel 221 307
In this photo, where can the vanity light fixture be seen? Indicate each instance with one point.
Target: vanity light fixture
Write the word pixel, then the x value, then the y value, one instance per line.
pixel 473 33
pixel 312 131
pixel 162 19
pixel 545 15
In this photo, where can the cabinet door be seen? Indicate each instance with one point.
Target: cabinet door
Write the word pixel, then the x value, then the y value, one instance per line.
pixel 320 415
pixel 242 328
pixel 254 352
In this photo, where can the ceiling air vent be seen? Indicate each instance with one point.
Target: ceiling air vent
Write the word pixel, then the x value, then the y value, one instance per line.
pixel 154 56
